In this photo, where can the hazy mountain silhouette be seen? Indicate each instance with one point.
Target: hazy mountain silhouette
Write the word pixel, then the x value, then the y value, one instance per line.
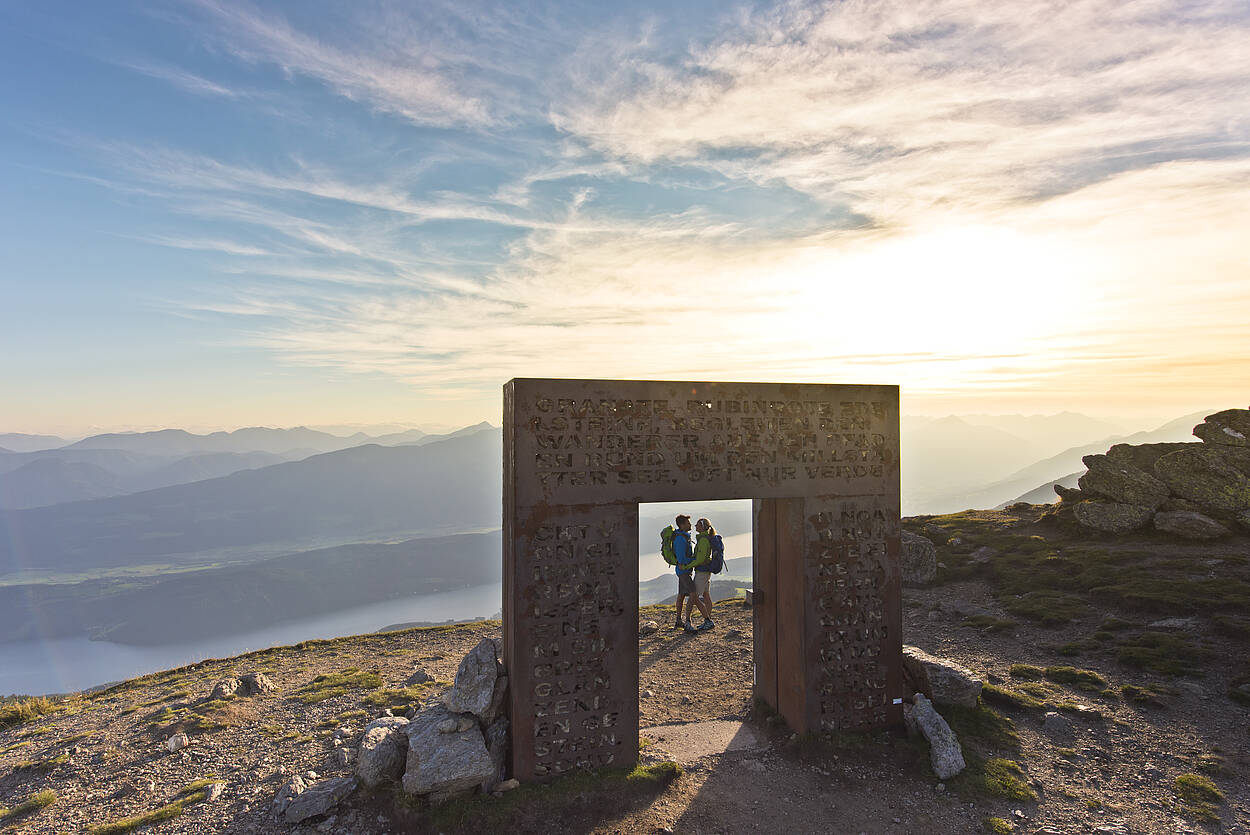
pixel 1044 473
pixel 118 462
pixel 253 439
pixel 945 455
pixel 47 477
pixel 1045 494
pixel 365 492
pixel 148 460
pixel 19 442
pixel 1049 434
pixel 45 481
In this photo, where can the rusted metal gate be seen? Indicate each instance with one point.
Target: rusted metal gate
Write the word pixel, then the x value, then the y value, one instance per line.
pixel 821 463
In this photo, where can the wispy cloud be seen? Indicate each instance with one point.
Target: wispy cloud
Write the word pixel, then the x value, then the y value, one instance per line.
pixel 208 245
pixel 1042 197
pixel 182 79
pixel 418 84
pixel 904 109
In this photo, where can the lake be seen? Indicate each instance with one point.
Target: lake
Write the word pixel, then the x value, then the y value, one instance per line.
pixel 66 665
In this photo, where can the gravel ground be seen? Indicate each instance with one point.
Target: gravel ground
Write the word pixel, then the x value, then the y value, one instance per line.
pixel 1110 773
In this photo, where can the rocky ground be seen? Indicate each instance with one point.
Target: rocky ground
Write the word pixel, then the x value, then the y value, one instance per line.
pixel 1098 749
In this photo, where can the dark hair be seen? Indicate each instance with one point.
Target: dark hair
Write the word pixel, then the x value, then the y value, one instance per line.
pixel 681 516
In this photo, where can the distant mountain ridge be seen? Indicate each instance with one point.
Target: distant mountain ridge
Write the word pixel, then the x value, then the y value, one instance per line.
pixel 1042 474
pixel 251 439
pixel 21 442
pixel 362 493
pixel 118 463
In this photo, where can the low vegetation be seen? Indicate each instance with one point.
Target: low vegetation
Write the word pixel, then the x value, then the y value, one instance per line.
pixel 998 826
pixel 330 685
pixel 35 803
pixel 1161 652
pixel 1148 695
pixel 1002 777
pixel 1060 577
pixel 1080 679
pixel 167 812
pixel 402 698
pixel 989 623
pixel 1026 671
pixel 20 711
pixel 1010 698
pixel 993 777
pixel 1198 796
pixel 344 718
pixel 44 765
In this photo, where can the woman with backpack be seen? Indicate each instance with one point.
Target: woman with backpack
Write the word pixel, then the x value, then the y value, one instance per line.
pixel 709 556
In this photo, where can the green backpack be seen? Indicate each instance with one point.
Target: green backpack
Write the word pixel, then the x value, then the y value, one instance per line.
pixel 666 545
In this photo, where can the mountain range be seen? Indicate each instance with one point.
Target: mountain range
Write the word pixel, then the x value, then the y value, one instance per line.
pixel 115 464
pixel 956 463
pixel 368 492
pixel 258 515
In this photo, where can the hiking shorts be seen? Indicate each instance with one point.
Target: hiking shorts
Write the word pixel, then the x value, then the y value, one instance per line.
pixel 702 580
pixel 685 584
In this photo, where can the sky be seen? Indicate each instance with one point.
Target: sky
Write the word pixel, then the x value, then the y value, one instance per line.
pixel 217 214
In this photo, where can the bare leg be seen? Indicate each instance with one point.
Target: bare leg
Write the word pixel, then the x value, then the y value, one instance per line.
pixel 703 607
pixel 681 598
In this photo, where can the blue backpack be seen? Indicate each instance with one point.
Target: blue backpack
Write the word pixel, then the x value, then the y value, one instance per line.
pixel 717 563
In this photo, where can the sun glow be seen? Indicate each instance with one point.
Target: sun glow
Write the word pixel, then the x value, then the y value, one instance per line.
pixel 957 291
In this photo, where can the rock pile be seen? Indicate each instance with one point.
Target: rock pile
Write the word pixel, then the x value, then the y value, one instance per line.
pixel 454 745
pixel 1194 491
pixel 252 684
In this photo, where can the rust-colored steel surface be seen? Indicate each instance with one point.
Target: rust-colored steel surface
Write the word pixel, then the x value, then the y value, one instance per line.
pixel 853 613
pixel 580 455
pixel 764 603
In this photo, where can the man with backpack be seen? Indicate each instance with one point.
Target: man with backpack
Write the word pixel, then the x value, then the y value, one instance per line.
pixel 709 559
pixel 677 551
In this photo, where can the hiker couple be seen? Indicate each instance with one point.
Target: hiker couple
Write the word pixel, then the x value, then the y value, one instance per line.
pixel 695 564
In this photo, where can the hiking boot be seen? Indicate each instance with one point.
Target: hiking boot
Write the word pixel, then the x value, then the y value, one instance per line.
pixel 690 628
pixel 705 626
pixel 681 624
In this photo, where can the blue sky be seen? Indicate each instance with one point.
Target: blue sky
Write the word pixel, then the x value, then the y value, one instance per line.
pixel 218 214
